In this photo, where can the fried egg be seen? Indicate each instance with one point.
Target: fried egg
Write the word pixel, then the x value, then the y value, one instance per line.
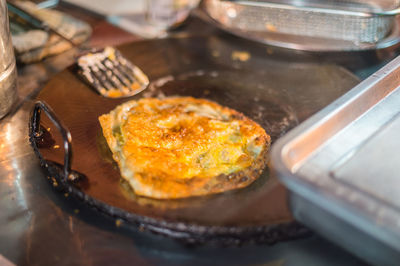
pixel 182 147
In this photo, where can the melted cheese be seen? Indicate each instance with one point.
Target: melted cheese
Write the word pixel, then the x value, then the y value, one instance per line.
pixel 180 139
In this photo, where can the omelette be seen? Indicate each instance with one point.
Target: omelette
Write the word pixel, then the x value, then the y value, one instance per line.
pixel 181 147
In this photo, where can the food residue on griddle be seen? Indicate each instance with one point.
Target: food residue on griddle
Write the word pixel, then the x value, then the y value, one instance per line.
pixel 240 56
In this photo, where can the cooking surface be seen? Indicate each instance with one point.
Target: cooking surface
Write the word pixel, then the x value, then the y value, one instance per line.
pixel 201 67
pixel 39 226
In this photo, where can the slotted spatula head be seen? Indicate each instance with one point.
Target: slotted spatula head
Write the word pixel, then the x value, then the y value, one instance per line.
pixel 110 74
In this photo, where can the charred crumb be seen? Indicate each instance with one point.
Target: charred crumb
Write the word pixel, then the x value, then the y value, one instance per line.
pixel 243 179
pixel 118 222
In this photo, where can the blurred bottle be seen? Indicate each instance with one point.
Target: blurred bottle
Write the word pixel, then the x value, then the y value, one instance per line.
pixel 165 14
pixel 148 18
pixel 8 73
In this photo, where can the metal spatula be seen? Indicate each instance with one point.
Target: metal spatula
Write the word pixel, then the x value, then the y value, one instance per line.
pixel 111 74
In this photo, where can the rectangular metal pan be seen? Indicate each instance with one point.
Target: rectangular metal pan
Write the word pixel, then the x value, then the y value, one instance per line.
pixel 342 167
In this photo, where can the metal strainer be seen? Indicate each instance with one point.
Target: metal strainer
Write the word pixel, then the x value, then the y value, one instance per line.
pixel 346 24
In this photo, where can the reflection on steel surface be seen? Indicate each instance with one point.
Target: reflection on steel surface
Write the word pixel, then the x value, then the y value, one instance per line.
pixel 5 262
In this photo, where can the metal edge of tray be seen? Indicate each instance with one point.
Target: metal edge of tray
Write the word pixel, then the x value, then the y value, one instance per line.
pixel 345 234
pixel 329 201
pixel 303 43
pixel 328 10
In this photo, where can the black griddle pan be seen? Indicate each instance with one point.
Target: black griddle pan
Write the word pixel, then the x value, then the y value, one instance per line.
pixel 276 94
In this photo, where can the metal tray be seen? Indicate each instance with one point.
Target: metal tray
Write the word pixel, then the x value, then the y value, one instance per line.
pixel 276 94
pixel 342 167
pixel 342 25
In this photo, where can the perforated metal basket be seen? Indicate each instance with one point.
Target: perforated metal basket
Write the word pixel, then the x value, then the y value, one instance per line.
pixel 346 24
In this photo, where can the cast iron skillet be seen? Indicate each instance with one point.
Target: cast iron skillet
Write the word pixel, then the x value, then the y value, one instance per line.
pixel 276 94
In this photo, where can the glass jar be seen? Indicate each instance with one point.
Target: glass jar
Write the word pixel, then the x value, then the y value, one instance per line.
pixel 8 73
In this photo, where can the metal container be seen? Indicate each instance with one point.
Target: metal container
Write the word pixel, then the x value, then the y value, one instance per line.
pixel 311 24
pixel 8 74
pixel 343 168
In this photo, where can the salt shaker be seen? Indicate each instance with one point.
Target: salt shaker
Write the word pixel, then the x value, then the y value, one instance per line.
pixel 8 73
